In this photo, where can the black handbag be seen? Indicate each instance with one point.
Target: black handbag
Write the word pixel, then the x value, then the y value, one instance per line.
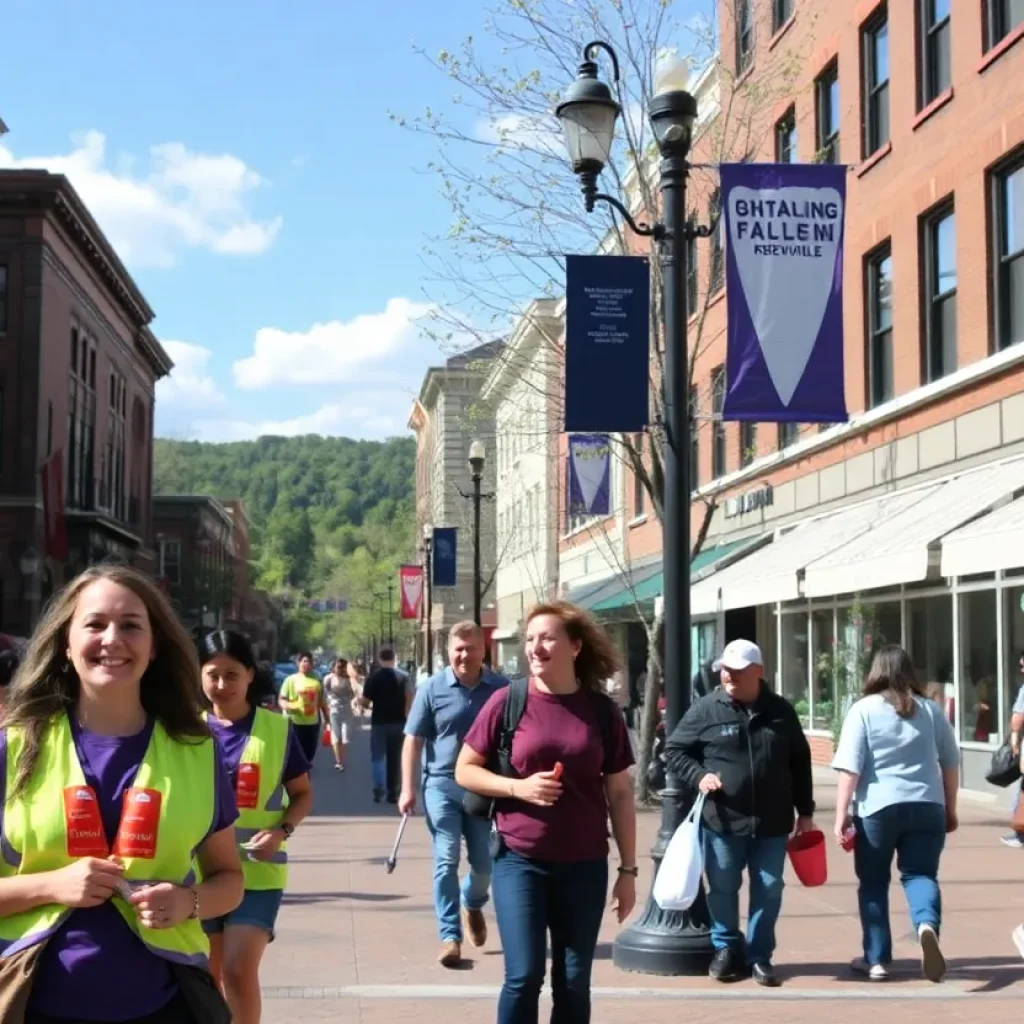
pixel 475 805
pixel 1005 767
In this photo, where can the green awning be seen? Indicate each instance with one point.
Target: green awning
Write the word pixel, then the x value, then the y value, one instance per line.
pixel 648 583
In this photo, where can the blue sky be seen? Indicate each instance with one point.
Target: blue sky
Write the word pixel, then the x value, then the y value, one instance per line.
pixel 240 157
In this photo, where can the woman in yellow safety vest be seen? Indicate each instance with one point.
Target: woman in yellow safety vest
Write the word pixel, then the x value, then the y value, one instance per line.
pixel 270 775
pixel 111 784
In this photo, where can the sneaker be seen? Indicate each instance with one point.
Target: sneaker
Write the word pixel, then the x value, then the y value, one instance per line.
pixel 339 767
pixel 378 795
pixel 1014 840
pixel 933 963
pixel 875 972
pixel 1018 938
pixel 765 976
pixel 475 925
pixel 450 955
pixel 726 966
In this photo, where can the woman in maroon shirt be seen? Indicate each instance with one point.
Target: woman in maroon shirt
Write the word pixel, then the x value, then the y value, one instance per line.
pixel 570 761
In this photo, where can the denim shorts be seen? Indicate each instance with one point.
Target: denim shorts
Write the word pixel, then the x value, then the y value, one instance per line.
pixel 258 909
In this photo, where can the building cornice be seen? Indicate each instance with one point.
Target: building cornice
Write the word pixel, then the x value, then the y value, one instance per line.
pixel 541 321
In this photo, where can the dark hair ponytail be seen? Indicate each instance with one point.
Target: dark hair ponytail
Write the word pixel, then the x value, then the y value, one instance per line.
pixel 227 642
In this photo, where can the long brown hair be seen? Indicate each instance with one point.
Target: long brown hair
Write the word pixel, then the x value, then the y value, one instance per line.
pixel 47 685
pixel 598 659
pixel 892 675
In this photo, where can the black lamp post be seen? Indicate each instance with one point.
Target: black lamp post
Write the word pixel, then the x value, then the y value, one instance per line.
pixel 428 610
pixel 659 942
pixel 477 456
pixel 391 625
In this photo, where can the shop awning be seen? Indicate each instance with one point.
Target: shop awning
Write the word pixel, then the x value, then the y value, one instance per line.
pixel 899 548
pixel 773 573
pixel 995 541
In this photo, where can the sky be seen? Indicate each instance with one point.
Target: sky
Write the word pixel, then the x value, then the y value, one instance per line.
pixel 240 157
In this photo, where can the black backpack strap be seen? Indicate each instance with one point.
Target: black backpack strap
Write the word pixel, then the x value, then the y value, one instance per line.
pixel 515 706
pixel 604 707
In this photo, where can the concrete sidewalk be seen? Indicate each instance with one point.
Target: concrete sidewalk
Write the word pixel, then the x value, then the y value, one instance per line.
pixel 356 944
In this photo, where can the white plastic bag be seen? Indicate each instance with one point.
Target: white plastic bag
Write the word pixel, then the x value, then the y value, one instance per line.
pixel 681 869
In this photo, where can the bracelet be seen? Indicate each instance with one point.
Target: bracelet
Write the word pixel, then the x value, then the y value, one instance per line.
pixel 194 916
pixel 632 872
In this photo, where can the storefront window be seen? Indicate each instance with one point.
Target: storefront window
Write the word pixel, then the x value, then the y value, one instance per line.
pixel 930 640
pixel 864 628
pixel 823 639
pixel 979 667
pixel 793 665
pixel 1013 616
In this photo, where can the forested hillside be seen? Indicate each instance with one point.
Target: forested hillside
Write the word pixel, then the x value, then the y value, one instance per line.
pixel 332 517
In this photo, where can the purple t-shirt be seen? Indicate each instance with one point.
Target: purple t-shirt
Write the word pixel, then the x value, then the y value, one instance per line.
pixel 95 967
pixel 233 737
pixel 557 728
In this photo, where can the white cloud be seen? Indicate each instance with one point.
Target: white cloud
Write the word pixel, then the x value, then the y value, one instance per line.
pixel 189 385
pixel 186 200
pixel 523 131
pixel 330 419
pixel 332 352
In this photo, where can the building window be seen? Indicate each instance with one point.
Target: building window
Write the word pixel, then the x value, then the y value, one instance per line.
pixel 788 434
pixel 1008 189
pixel 793 667
pixel 717 222
pixel 875 48
pixel 782 11
pixel 3 299
pixel 785 138
pixel 717 423
pixel 114 482
pixel 879 343
pixel 1001 18
pixel 935 68
pixel 744 35
pixel 938 238
pixel 170 561
pixel 826 97
pixel 691 266
pixel 748 443
pixel 979 704
pixel 81 483
pixel 694 442
pixel 639 491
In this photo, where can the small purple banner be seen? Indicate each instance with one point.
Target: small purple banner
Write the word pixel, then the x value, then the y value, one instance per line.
pixel 784 292
pixel 590 471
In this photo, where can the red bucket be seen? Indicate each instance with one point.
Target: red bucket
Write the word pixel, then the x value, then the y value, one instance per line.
pixel 807 855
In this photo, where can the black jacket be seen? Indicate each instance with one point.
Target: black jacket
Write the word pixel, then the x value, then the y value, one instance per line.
pixel 760 754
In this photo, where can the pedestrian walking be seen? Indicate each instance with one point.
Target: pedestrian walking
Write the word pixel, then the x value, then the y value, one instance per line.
pixel 388 692
pixel 569 762
pixel 116 792
pixel 743 746
pixel 270 776
pixel 302 700
pixel 340 697
pixel 1015 837
pixel 444 708
pixel 898 755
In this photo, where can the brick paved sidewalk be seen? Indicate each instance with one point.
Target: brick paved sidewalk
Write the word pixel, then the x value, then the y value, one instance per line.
pixel 355 944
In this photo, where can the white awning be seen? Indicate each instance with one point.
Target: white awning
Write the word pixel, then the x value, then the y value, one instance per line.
pixel 773 573
pixel 995 541
pixel 899 548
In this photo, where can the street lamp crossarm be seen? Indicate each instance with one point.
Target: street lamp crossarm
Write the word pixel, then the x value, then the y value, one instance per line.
pixel 589 53
pixel 657 232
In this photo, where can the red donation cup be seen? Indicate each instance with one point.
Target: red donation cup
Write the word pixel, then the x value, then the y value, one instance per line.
pixel 849 839
pixel 807 855
pixel 325 739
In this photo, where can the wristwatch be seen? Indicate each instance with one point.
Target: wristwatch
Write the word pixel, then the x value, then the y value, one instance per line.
pixel 287 828
pixel 633 872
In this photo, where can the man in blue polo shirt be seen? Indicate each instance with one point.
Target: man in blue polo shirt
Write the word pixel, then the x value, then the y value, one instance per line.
pixel 442 711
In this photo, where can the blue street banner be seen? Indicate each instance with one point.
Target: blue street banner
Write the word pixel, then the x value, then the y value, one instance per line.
pixel 443 557
pixel 607 343
pixel 590 471
pixel 784 292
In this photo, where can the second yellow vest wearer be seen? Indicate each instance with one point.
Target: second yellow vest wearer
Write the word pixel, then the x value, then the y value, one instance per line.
pixel 308 690
pixel 35 836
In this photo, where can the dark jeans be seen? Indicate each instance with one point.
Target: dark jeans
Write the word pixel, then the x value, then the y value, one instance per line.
pixel 915 833
pixel 175 1012
pixel 309 739
pixel 531 898
pixel 386 754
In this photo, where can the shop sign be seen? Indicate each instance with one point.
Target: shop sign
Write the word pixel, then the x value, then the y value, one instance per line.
pixel 763 497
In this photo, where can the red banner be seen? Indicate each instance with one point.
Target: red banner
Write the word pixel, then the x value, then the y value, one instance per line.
pixel 410 590
pixel 51 475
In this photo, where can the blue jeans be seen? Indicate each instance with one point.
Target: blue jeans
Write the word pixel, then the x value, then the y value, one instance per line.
pixel 531 898
pixel 449 824
pixel 386 756
pixel 916 834
pixel 725 857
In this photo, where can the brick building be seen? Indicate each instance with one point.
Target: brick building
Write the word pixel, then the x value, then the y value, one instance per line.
pixel 78 365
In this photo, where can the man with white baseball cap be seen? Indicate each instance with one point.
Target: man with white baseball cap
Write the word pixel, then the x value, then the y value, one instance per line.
pixel 743 746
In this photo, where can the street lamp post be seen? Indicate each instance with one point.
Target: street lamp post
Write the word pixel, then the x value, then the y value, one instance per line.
pixel 477 455
pixel 428 571
pixel 659 942
pixel 391 626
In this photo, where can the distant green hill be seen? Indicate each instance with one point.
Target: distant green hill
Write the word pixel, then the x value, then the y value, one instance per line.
pixel 331 517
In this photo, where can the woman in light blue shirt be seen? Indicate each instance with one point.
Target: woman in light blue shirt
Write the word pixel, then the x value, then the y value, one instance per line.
pixel 898 756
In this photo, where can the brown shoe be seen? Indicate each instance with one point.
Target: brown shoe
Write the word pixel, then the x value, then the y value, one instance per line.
pixel 450 955
pixel 475 925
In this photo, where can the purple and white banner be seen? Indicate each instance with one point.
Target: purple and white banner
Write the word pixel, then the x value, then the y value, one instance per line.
pixel 590 471
pixel 784 292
